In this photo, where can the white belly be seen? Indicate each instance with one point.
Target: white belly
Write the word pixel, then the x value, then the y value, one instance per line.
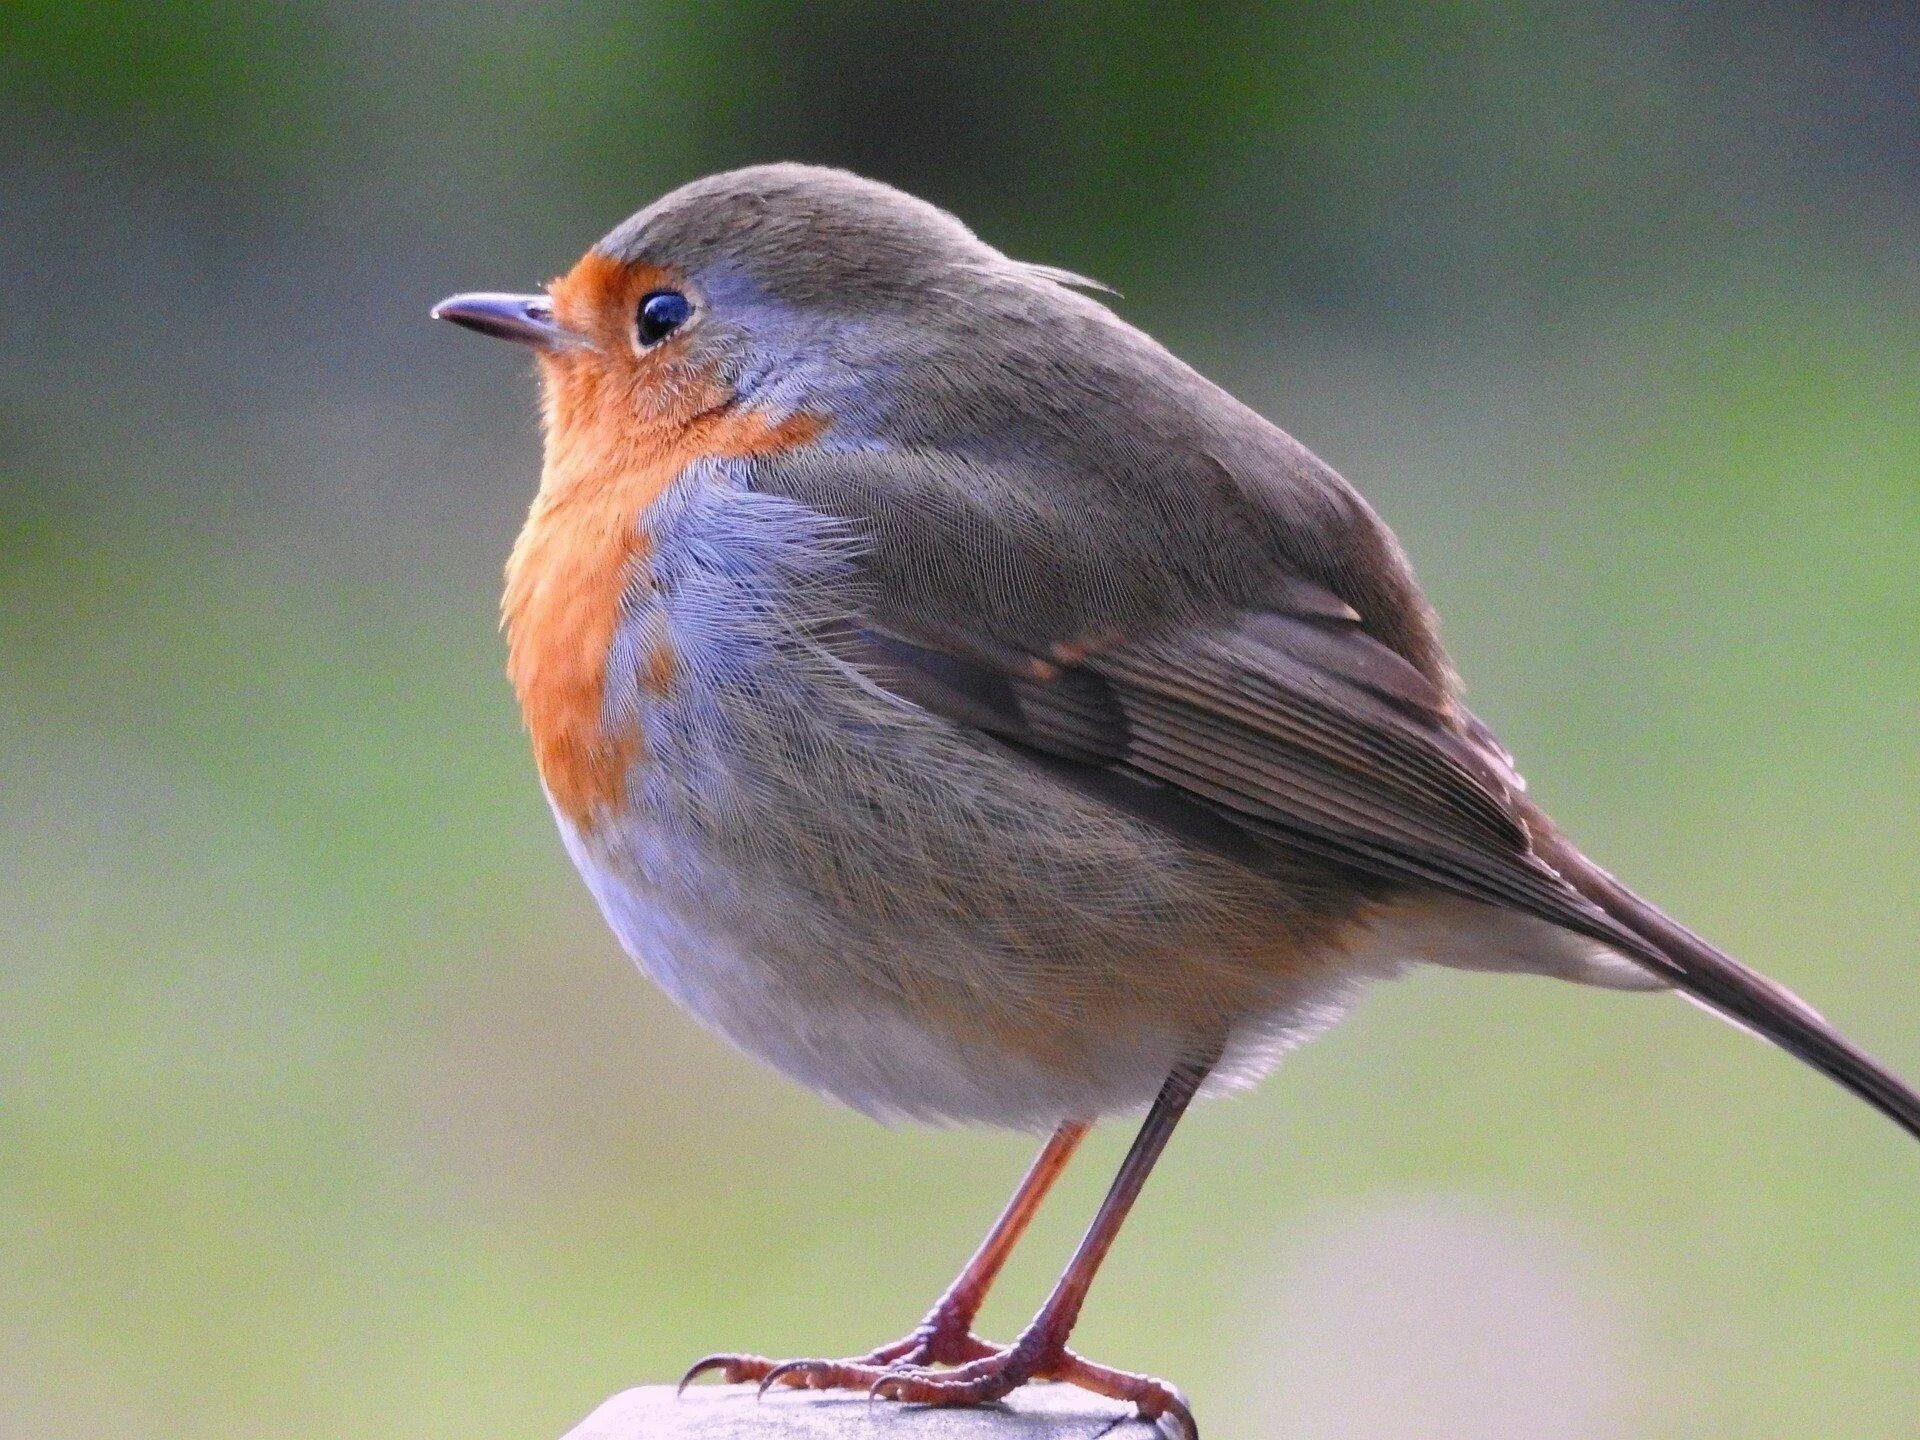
pixel 683 925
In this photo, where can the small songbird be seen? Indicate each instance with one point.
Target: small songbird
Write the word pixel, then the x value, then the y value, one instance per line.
pixel 964 706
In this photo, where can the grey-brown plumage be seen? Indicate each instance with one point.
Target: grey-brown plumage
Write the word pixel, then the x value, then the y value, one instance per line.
pixel 1013 724
pixel 1240 626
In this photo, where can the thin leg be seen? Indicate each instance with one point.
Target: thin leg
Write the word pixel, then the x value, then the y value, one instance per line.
pixel 946 1336
pixel 1057 1316
pixel 1041 1351
pixel 953 1313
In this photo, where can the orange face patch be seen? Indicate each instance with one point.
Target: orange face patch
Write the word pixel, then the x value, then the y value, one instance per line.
pixel 620 427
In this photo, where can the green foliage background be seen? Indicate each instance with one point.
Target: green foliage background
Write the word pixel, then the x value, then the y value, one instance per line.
pixel 327 1107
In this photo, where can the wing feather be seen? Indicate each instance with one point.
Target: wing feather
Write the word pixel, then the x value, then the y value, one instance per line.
pixel 1278 738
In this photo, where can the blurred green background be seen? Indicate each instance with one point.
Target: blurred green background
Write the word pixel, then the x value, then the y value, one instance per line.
pixel 327 1105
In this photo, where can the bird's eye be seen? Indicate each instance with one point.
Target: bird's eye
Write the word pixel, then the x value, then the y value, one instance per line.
pixel 661 313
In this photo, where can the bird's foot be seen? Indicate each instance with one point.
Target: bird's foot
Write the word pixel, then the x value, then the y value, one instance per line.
pixel 1000 1372
pixel 906 1371
pixel 937 1340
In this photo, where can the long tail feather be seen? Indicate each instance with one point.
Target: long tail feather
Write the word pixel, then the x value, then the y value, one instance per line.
pixel 1730 989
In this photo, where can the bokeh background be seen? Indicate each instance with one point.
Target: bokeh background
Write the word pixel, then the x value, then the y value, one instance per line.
pixel 328 1107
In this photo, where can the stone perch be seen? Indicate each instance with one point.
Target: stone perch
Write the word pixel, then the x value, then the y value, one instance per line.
pixel 730 1412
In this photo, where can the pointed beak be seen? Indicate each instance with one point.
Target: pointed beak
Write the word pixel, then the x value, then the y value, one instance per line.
pixel 525 318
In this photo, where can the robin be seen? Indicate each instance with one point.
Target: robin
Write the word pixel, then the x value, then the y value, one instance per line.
pixel 969 709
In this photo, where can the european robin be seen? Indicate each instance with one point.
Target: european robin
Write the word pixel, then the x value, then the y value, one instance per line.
pixel 967 708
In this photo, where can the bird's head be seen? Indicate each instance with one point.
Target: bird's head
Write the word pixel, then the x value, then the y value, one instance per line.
pixel 763 310
pixel 781 291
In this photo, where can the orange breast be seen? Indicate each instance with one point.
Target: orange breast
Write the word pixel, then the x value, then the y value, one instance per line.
pixel 616 437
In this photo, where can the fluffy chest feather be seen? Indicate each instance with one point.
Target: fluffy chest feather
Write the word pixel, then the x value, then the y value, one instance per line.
pixel 873 900
pixel 609 454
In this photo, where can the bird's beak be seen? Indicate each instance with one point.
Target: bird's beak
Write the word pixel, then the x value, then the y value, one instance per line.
pixel 526 318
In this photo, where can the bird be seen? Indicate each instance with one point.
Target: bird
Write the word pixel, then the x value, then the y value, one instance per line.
pixel 965 707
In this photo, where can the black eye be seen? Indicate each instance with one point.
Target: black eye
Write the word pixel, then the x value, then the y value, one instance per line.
pixel 661 313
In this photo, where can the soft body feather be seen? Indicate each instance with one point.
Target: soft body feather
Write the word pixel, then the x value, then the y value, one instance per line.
pixel 908 916
pixel 1006 714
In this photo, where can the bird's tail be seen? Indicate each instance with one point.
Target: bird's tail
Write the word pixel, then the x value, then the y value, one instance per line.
pixel 1731 990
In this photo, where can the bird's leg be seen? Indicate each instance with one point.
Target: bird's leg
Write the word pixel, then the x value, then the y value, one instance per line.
pixel 945 1336
pixel 1041 1351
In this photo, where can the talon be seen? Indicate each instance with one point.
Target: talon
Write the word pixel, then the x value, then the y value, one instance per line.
pixel 1176 1420
pixel 734 1368
pixel 785 1372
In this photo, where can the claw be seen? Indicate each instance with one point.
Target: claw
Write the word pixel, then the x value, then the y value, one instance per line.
pixel 734 1368
pixel 780 1373
pixel 1176 1421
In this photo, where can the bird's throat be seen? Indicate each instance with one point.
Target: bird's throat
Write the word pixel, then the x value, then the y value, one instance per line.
pixel 585 546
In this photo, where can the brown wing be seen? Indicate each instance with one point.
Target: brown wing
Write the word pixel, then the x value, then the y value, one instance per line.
pixel 1292 724
pixel 1305 732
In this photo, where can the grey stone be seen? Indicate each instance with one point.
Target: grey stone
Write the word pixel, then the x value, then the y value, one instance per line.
pixel 730 1412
